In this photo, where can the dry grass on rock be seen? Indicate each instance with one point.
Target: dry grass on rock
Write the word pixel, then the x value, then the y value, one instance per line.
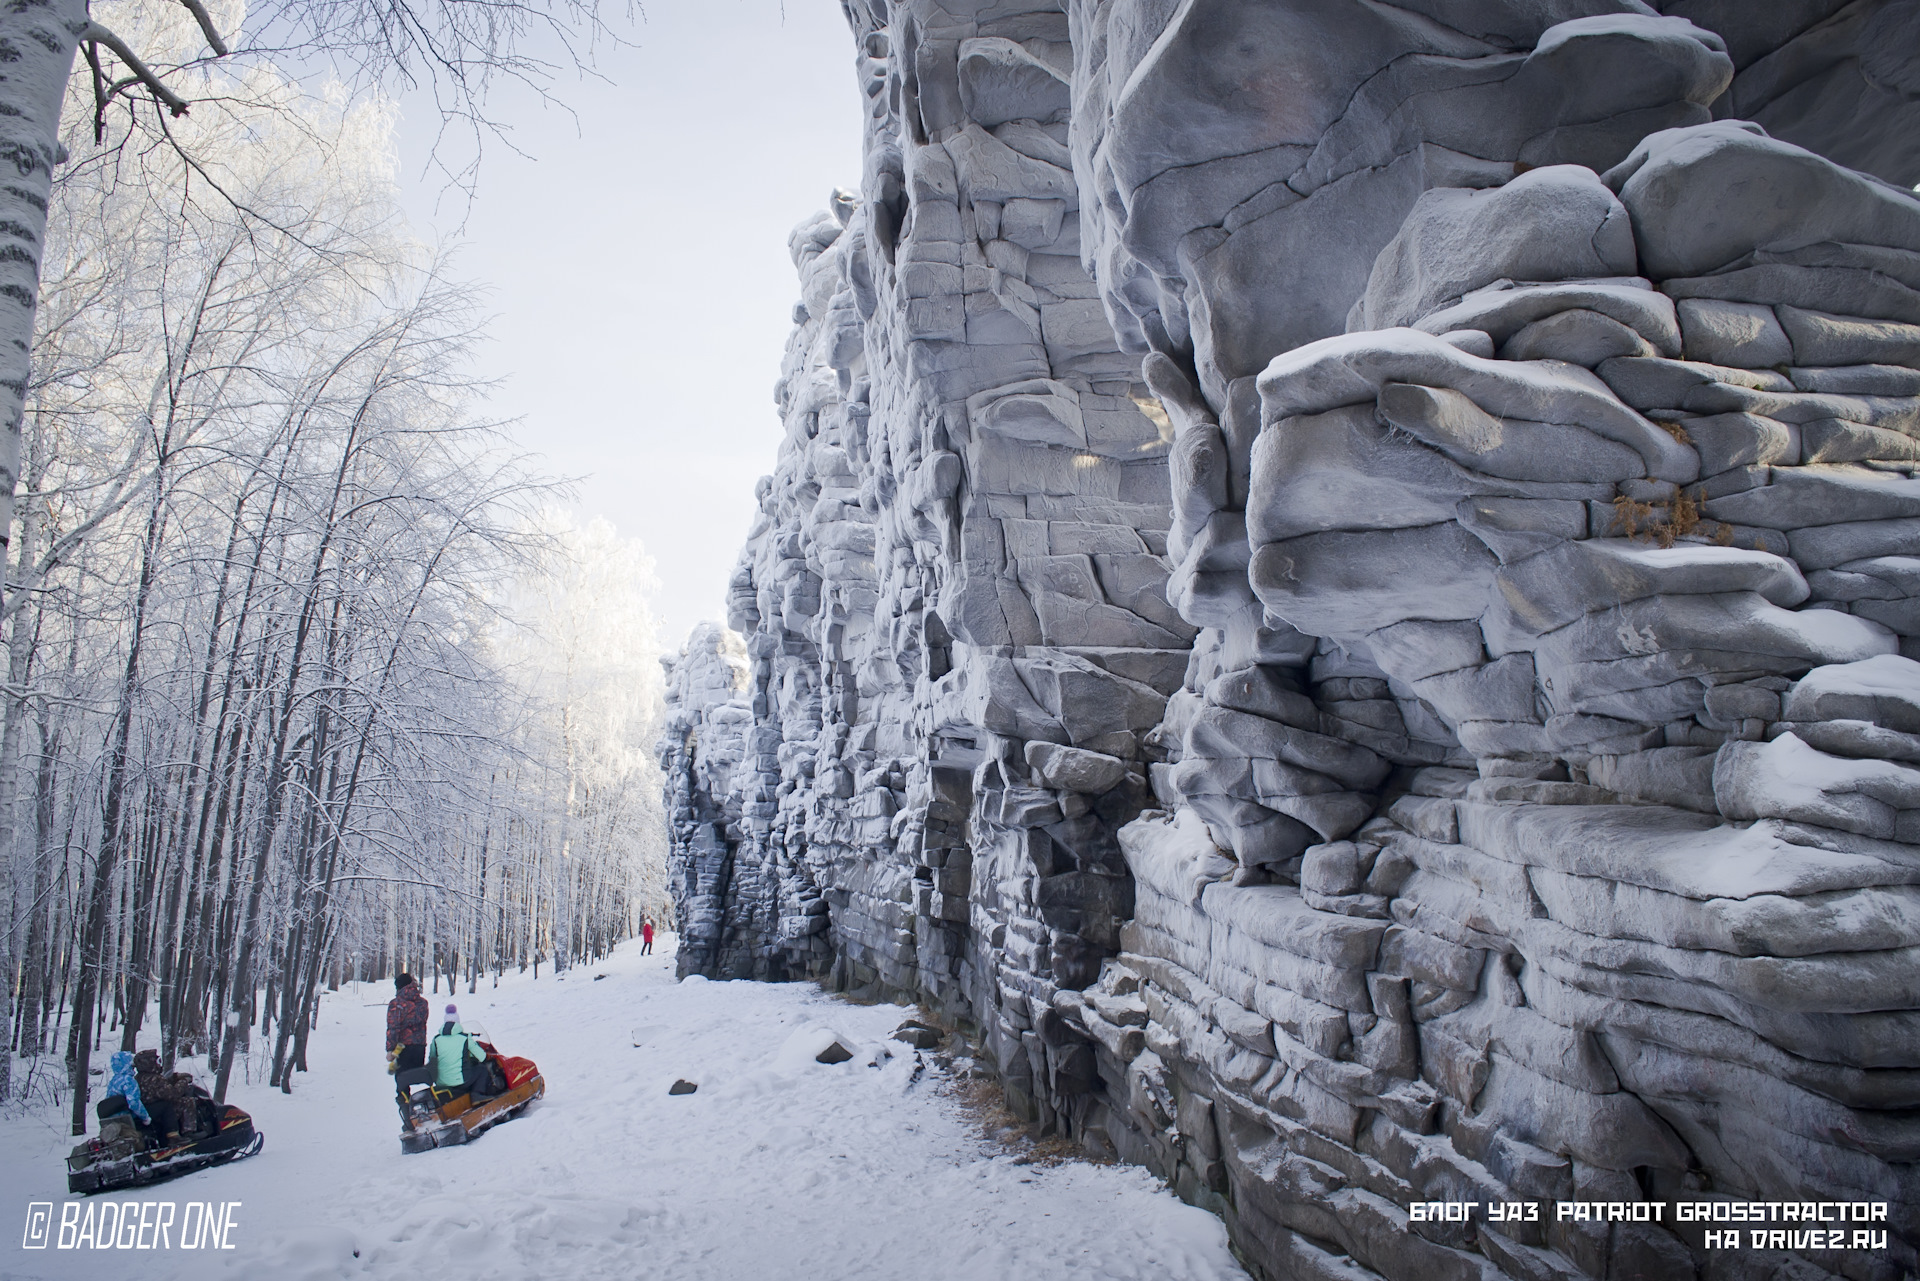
pixel 981 1100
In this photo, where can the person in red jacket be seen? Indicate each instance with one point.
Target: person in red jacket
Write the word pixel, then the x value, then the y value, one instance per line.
pixel 646 936
pixel 406 1030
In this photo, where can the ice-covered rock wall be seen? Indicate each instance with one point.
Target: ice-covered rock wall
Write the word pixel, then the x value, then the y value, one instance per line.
pixel 1524 800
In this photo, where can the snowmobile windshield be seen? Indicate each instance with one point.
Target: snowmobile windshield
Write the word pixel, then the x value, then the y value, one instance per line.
pixel 474 1029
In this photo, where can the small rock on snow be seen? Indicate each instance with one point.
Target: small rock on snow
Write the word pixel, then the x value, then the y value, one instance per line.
pixel 920 1036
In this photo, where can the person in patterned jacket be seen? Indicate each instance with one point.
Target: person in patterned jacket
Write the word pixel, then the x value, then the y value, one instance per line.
pixel 170 1096
pixel 406 1027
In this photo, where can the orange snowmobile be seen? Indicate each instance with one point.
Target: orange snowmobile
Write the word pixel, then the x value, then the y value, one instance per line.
pixel 493 1091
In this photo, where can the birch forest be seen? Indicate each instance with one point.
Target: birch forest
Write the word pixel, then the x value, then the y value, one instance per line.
pixel 309 676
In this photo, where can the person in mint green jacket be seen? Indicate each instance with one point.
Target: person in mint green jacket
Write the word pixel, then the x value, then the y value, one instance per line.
pixel 452 1049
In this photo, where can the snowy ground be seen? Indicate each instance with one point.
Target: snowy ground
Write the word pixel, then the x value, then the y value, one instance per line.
pixel 779 1167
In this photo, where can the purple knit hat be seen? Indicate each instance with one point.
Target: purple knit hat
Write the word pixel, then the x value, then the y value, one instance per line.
pixel 453 1011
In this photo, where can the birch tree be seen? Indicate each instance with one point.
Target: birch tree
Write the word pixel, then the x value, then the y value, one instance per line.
pixel 456 48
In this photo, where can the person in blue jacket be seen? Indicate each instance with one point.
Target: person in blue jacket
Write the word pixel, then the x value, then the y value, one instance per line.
pixel 124 1083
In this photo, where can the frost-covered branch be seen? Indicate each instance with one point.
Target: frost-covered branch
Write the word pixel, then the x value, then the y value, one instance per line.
pixel 207 28
pixel 95 34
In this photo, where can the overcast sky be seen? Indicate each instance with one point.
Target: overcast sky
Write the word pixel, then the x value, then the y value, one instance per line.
pixel 638 266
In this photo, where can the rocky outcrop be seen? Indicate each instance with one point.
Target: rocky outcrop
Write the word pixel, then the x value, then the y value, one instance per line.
pixel 954 598
pixel 1521 797
pixel 723 908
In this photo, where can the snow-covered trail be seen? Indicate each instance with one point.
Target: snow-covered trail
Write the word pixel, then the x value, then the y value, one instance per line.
pixel 779 1167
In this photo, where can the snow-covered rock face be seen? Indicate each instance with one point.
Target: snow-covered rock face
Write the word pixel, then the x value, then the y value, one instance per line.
pixel 1536 808
pixel 954 598
pixel 705 737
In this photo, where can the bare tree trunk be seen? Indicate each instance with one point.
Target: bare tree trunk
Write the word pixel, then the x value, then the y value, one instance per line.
pixel 22 632
pixel 300 908
pixel 63 959
pixel 144 885
pixel 36 972
pixel 216 808
pixel 219 929
pixel 111 828
pixel 183 893
pixel 475 961
pixel 238 1021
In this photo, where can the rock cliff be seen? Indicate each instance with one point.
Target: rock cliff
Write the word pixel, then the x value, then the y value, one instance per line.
pixel 1341 592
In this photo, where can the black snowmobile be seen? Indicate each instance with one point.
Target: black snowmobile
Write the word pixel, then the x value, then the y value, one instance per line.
pixel 127 1154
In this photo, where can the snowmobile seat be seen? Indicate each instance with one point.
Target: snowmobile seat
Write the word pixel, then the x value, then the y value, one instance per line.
pixel 117 1117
